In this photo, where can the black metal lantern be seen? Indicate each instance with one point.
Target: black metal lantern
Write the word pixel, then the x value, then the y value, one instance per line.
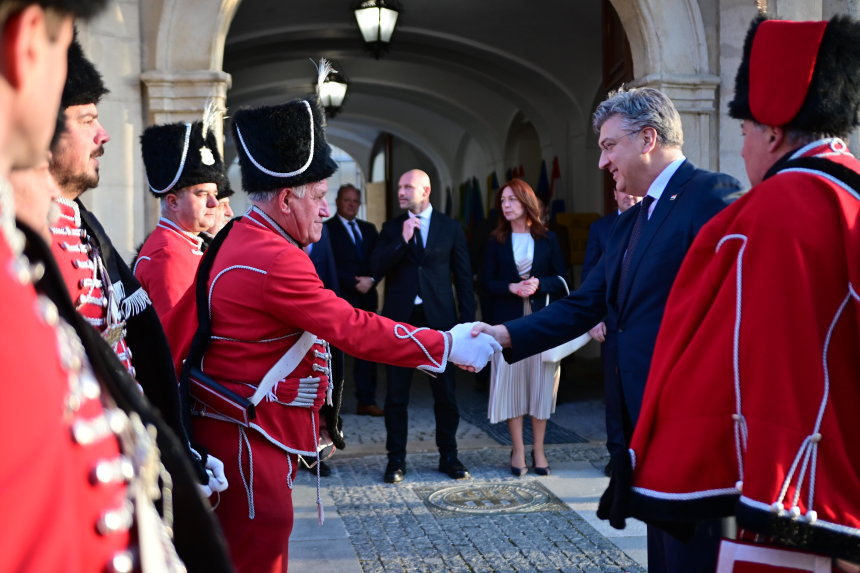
pixel 376 20
pixel 332 93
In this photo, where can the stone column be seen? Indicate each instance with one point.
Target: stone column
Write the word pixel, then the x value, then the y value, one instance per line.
pixel 695 97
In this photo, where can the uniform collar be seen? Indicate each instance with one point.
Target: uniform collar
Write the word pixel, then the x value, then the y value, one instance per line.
pixel 258 217
pixel 169 225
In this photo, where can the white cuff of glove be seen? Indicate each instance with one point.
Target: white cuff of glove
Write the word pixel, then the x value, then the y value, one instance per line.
pixel 468 350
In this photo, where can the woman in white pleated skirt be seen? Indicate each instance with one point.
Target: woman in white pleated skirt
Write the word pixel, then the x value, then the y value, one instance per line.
pixel 523 271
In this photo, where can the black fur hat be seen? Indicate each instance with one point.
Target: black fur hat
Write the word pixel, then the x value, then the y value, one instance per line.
pixel 282 146
pixel 224 188
pixel 830 104
pixel 177 155
pixel 84 83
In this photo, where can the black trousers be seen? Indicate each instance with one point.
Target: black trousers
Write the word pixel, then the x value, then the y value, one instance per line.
pixel 667 554
pixel 615 412
pixel 364 376
pixel 397 402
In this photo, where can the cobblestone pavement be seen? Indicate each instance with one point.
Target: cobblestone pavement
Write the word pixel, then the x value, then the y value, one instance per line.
pixel 391 528
pixel 373 527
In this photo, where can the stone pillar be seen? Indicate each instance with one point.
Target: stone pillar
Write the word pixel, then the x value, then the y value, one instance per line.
pixel 175 96
pixel 181 96
pixel 695 98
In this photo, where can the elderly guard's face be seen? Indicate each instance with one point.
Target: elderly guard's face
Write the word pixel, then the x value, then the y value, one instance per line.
pixel 306 215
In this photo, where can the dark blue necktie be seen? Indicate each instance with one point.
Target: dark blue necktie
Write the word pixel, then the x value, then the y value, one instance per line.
pixel 635 234
pixel 356 238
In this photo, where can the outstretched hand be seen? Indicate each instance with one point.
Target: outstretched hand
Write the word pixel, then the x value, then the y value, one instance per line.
pixel 469 351
pixel 499 332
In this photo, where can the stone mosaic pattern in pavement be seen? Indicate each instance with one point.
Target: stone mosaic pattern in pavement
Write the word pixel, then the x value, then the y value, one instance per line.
pixel 392 530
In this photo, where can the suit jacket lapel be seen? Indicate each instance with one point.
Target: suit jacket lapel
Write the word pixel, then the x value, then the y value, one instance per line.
pixel 541 255
pixel 616 243
pixel 658 217
pixel 432 234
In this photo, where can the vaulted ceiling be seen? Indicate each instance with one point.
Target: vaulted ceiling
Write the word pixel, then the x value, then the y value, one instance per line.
pixel 458 72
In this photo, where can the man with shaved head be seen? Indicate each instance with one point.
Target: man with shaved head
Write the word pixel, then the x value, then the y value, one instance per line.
pixel 419 252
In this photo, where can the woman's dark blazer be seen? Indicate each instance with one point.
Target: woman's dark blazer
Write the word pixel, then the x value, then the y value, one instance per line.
pixel 500 270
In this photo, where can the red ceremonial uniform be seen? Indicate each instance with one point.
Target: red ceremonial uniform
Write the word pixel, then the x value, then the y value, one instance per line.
pixel 87 279
pixel 264 293
pixel 57 514
pixel 751 403
pixel 167 263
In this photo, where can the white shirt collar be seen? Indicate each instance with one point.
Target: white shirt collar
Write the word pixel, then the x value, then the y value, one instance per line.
pixel 346 221
pixel 425 214
pixel 659 184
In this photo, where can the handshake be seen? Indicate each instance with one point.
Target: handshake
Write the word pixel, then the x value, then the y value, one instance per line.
pixel 471 346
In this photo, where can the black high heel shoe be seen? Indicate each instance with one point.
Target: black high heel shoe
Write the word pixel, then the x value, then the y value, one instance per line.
pixel 540 471
pixel 518 472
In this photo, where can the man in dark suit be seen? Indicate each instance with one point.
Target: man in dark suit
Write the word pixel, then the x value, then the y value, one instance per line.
pixel 352 242
pixel 640 139
pixel 419 253
pixel 331 425
pixel 607 333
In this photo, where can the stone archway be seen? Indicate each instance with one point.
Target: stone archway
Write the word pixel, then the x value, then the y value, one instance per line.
pixel 183 62
pixel 670 52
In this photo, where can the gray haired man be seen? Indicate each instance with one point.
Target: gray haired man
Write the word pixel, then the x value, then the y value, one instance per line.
pixel 640 138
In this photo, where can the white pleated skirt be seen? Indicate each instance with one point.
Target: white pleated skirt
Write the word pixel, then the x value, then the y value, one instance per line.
pixel 529 386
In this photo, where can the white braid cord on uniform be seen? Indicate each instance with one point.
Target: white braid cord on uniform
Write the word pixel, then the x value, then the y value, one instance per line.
pixel 247 483
pixel 320 510
pixel 740 423
pixel 301 169
pixel 402 332
pixel 218 276
pixel 809 448
pixel 329 396
pixel 181 163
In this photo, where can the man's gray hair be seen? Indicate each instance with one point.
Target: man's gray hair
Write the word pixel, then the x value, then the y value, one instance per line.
pixel 266 196
pixel 640 108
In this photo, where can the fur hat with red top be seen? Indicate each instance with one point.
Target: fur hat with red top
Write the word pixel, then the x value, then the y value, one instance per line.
pixel 800 75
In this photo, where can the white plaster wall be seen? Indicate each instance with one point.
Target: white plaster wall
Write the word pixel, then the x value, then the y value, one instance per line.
pixel 112 41
pixel 735 18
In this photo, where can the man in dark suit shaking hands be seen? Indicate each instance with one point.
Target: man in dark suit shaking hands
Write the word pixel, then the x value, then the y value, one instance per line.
pixel 640 138
pixel 420 252
pixel 352 242
pixel 605 332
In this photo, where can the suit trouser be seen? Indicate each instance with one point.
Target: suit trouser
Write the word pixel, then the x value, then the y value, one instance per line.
pixel 666 554
pixel 615 440
pixel 364 371
pixel 364 376
pixel 397 402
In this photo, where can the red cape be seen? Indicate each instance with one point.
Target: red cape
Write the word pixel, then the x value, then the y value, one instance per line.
pixel 758 355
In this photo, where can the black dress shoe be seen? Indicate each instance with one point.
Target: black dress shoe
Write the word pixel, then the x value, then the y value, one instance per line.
pixel 540 471
pixel 453 467
pixel 519 472
pixel 394 472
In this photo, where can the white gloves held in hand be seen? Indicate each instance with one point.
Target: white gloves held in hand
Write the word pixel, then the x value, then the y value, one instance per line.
pixel 468 350
pixel 217 479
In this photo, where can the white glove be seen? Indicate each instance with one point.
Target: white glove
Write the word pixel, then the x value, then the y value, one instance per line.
pixel 217 479
pixel 468 350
